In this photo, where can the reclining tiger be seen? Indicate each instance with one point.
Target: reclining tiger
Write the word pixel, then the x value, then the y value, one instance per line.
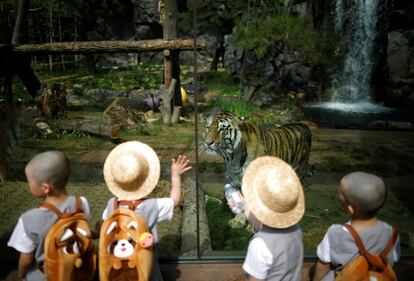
pixel 240 142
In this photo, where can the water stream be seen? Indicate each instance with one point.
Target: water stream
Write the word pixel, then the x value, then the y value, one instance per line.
pixel 357 24
pixel 351 105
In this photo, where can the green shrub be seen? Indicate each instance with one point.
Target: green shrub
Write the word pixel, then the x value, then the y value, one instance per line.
pixel 296 32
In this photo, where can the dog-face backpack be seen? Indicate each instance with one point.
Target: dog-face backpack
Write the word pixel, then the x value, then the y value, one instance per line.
pixel 68 248
pixel 368 267
pixel 125 246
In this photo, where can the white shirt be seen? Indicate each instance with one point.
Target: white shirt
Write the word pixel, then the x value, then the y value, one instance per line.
pixel 258 260
pixel 323 251
pixel 21 241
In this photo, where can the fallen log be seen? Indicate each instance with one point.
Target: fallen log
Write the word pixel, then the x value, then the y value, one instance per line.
pixel 92 127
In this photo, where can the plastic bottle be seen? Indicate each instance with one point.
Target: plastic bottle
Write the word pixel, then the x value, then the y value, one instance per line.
pixel 234 199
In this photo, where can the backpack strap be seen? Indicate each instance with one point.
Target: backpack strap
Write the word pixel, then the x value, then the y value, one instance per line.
pixel 52 208
pixel 132 205
pixel 361 247
pixel 357 239
pixel 79 208
pixel 60 214
pixel 390 243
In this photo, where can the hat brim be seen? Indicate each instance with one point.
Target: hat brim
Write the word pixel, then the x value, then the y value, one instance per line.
pixel 149 183
pixel 252 199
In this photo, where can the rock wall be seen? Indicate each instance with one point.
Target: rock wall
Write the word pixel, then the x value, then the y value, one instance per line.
pixel 400 55
pixel 280 70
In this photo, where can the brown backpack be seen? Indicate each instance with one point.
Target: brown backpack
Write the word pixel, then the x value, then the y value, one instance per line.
pixel 125 245
pixel 367 266
pixel 68 248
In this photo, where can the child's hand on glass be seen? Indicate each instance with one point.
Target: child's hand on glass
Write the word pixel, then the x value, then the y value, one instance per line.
pixel 180 165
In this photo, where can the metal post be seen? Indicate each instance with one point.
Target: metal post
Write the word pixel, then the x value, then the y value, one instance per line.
pixel 196 127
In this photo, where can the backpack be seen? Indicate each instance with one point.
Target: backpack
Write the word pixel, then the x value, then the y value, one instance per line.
pixel 368 266
pixel 125 245
pixel 68 248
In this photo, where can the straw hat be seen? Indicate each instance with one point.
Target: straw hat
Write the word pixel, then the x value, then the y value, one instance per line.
pixel 132 170
pixel 273 192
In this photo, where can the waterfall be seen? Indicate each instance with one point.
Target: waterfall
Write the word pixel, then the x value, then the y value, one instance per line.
pixel 357 23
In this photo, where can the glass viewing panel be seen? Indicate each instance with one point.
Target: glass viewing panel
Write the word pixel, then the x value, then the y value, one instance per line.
pixel 92 124
pixel 119 99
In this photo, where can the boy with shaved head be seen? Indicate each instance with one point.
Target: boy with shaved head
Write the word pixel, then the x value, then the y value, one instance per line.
pixel 47 174
pixel 361 195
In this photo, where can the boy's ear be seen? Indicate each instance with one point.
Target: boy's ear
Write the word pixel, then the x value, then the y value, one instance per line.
pixel 46 187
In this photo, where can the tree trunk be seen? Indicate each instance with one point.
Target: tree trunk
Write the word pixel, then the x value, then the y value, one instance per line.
pixel 20 26
pixel 20 64
pixel 172 57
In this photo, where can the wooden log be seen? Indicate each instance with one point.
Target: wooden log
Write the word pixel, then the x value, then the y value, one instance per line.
pixel 168 68
pixel 92 127
pixel 104 46
pixel 167 96
pixel 175 118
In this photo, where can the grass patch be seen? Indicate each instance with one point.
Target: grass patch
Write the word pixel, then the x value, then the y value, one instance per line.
pixel 142 76
pixel 223 237
pixel 235 104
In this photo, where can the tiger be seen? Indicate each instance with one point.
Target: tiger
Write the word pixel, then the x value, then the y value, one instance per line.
pixel 239 142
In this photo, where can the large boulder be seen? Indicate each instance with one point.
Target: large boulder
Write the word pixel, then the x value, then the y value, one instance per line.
pixel 398 54
pixel 233 57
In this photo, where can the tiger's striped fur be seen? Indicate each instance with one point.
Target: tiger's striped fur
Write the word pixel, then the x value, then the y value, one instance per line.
pixel 240 142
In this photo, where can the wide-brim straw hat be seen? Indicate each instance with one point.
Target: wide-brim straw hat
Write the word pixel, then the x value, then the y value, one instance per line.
pixel 273 192
pixel 132 170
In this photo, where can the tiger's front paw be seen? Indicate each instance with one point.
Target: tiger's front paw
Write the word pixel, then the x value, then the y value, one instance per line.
pixel 239 221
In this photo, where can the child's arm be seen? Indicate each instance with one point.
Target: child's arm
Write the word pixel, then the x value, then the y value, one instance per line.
pixel 178 167
pixel 321 270
pixel 26 263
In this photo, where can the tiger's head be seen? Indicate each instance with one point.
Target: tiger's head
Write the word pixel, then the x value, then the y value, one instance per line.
pixel 221 134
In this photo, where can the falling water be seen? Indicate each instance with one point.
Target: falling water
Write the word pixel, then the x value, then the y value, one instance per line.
pixel 357 23
pixel 351 105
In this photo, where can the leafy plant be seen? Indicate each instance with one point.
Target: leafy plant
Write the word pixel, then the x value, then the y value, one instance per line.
pixel 296 32
pixel 236 105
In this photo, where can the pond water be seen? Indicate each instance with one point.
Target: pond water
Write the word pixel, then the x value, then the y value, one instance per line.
pixel 360 115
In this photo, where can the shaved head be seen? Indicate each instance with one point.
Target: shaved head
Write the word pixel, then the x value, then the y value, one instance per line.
pixel 365 192
pixel 52 167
